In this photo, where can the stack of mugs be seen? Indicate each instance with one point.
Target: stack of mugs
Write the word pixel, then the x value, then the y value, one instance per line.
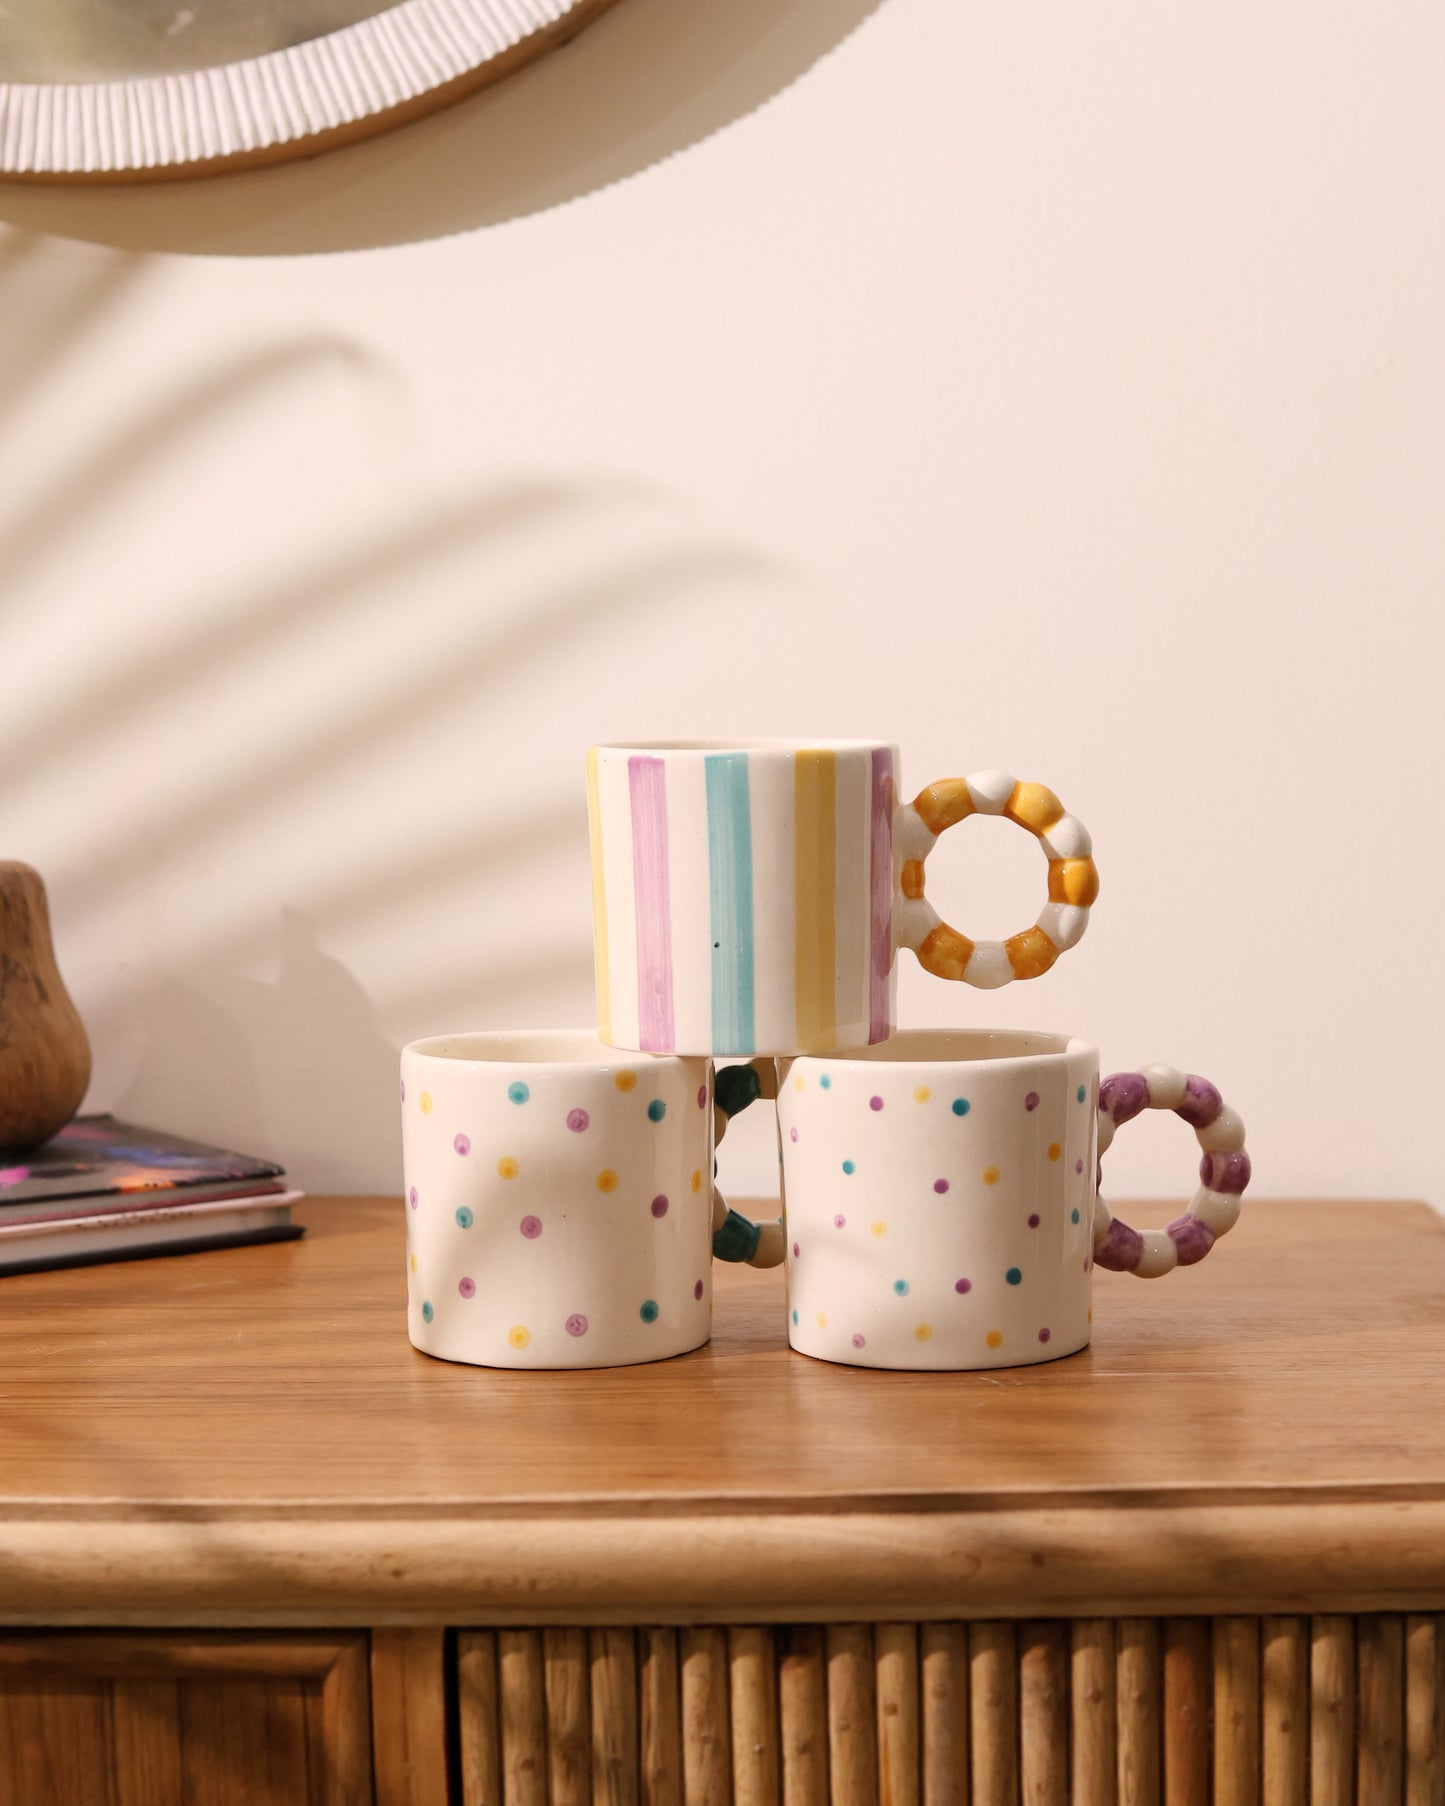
pixel 940 1187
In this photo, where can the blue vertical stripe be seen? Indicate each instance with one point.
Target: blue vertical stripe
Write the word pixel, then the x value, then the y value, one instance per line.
pixel 730 875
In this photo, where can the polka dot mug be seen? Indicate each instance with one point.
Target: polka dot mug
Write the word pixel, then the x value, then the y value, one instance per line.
pixel 560 1209
pixel 941 1195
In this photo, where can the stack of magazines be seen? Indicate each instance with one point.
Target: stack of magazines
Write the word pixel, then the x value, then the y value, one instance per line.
pixel 106 1190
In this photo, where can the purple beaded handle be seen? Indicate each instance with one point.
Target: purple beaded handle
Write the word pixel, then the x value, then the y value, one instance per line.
pixel 1223 1172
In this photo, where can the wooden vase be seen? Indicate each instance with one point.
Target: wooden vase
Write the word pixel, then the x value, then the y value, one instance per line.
pixel 44 1054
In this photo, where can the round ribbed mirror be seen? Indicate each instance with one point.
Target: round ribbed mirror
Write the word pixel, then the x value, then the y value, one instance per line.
pixel 125 89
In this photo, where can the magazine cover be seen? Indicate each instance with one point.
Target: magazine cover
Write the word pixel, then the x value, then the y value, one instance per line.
pixel 96 1155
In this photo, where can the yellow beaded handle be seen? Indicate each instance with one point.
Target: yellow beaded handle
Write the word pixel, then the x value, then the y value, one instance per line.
pixel 1073 879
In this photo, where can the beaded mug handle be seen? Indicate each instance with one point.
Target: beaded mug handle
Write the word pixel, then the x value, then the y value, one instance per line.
pixel 1223 1172
pixel 734 1236
pixel 1073 879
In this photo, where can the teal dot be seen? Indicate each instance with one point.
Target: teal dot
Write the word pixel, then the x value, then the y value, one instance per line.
pixel 826 1082
pixel 464 1217
pixel 1080 1094
pixel 960 1106
pixel 901 1287
pixel 648 1313
pixel 1013 1276
pixel 1074 1217
pixel 795 1316
pixel 848 1167
pixel 656 1110
pixel 427 1313
pixel 519 1093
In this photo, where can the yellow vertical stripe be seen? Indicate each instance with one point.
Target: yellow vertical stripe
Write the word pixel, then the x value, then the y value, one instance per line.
pixel 815 849
pixel 599 902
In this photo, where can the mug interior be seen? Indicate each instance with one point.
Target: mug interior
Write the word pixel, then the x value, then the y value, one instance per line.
pixel 954 1047
pixel 825 744
pixel 531 1047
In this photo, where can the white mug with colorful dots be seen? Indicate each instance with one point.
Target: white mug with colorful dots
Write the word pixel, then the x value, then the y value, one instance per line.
pixel 941 1195
pixel 560 1209
pixel 750 898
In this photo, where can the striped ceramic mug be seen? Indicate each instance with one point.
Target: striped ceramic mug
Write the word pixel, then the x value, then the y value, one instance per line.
pixel 750 897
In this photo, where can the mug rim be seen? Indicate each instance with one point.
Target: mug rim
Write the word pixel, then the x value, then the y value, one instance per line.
pixel 684 748
pixel 905 1048
pixel 544 1048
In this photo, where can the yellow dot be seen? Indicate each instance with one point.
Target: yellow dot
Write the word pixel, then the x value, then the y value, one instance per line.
pixel 697 1182
pixel 413 1263
pixel 822 1319
pixel 426 1103
pixel 1054 1150
pixel 519 1337
pixel 507 1167
pixel 879 1228
pixel 924 1333
pixel 607 1180
pixel 994 1338
pixel 922 1094
pixel 625 1080
pixel 990 1175
pixel 798 1082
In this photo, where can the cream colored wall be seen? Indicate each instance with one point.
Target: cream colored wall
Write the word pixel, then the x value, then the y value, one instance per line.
pixel 1051 387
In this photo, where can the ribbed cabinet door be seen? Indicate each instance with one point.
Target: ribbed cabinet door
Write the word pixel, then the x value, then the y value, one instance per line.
pixel 1229 1711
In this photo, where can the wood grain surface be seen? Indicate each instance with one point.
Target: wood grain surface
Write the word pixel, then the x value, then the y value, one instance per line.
pixel 253 1439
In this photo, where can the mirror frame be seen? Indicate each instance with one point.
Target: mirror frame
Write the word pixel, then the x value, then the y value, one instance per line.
pixel 397 65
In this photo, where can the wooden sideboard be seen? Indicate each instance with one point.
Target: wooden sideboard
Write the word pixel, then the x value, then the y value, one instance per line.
pixel 257 1549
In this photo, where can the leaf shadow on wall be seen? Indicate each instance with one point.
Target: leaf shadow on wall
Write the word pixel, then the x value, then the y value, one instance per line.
pixel 300 1063
pixel 644 82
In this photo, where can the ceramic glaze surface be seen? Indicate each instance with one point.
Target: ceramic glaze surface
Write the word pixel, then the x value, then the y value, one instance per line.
pixel 939 1212
pixel 751 898
pixel 558 1201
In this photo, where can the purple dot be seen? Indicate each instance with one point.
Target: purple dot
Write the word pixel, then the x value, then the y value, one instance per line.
pixel 467 1288
pixel 875 1103
pixel 1031 1102
pixel 412 1199
pixel 838 1222
pixel 462 1144
pixel 697 1291
pixel 860 1341
pixel 659 1205
pixel 577 1324
pixel 702 1097
pixel 577 1121
pixel 792 1134
pixel 1078 1166
pixel 403 1090
pixel 796 1250
pixel 940 1185
pixel 963 1285
pixel 1034 1221
pixel 1043 1335
pixel 531 1227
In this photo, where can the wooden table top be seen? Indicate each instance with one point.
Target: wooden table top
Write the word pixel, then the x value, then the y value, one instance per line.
pixel 247 1435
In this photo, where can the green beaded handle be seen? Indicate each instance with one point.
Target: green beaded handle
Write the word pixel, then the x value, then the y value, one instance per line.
pixel 736 1237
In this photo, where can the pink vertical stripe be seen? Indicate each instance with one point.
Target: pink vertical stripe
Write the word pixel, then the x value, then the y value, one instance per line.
pixel 648 783
pixel 881 897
